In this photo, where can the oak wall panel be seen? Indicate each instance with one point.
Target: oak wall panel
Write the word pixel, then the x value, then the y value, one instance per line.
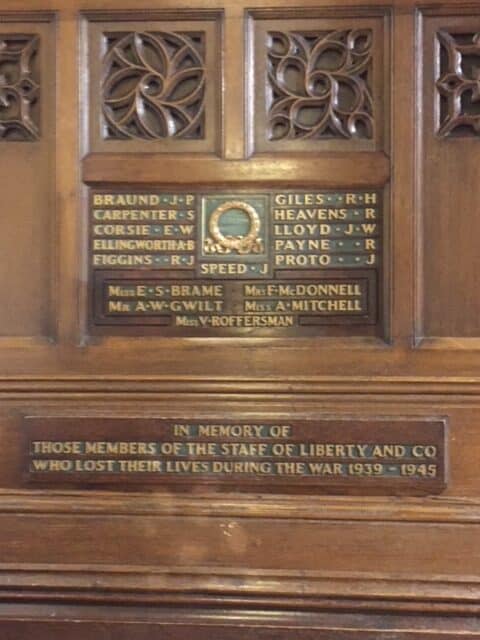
pixel 27 169
pixel 83 559
pixel 449 176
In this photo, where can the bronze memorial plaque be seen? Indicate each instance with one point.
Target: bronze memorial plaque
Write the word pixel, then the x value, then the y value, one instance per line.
pixel 347 454
pixel 218 264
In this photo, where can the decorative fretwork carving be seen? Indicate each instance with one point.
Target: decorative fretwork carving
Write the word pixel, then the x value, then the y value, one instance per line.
pixel 459 84
pixel 154 85
pixel 319 84
pixel 19 87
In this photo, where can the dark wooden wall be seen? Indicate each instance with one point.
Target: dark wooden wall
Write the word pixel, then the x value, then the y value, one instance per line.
pixel 137 563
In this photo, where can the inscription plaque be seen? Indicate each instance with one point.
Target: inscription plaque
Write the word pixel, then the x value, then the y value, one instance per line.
pixel 394 455
pixel 263 263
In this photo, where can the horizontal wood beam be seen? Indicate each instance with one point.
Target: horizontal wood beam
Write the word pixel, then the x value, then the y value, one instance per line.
pixel 328 171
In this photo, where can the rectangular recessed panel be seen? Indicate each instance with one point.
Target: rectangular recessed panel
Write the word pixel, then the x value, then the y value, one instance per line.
pixel 27 212
pixel 368 455
pixel 449 182
pixel 261 263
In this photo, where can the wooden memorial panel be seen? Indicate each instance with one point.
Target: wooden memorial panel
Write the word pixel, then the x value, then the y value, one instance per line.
pixel 240 378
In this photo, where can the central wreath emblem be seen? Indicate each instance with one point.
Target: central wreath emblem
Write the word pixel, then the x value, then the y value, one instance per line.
pixel 242 244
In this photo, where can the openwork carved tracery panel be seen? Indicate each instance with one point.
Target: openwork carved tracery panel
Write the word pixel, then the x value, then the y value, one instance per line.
pixel 154 85
pixel 319 84
pixel 19 87
pixel 459 84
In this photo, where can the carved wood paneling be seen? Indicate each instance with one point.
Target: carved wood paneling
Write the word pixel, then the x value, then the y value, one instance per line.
pixel 19 87
pixel 319 84
pixel 458 86
pixel 154 85
pixel 286 554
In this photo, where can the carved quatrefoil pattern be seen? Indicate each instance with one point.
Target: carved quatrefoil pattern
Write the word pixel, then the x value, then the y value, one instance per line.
pixel 319 84
pixel 19 87
pixel 154 85
pixel 459 84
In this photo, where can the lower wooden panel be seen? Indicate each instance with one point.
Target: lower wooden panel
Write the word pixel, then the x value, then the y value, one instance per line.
pixel 151 549
pixel 160 553
pixel 406 549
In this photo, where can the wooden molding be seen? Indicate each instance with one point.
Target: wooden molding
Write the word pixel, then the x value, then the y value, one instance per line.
pixel 325 508
pixel 336 170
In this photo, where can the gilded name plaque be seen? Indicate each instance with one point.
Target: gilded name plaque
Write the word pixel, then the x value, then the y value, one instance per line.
pixel 263 263
pixel 394 455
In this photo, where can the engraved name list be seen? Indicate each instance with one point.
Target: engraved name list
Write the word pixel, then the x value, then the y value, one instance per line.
pixel 263 263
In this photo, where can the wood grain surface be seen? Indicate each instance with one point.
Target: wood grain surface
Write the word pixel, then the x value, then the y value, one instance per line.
pixel 136 561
